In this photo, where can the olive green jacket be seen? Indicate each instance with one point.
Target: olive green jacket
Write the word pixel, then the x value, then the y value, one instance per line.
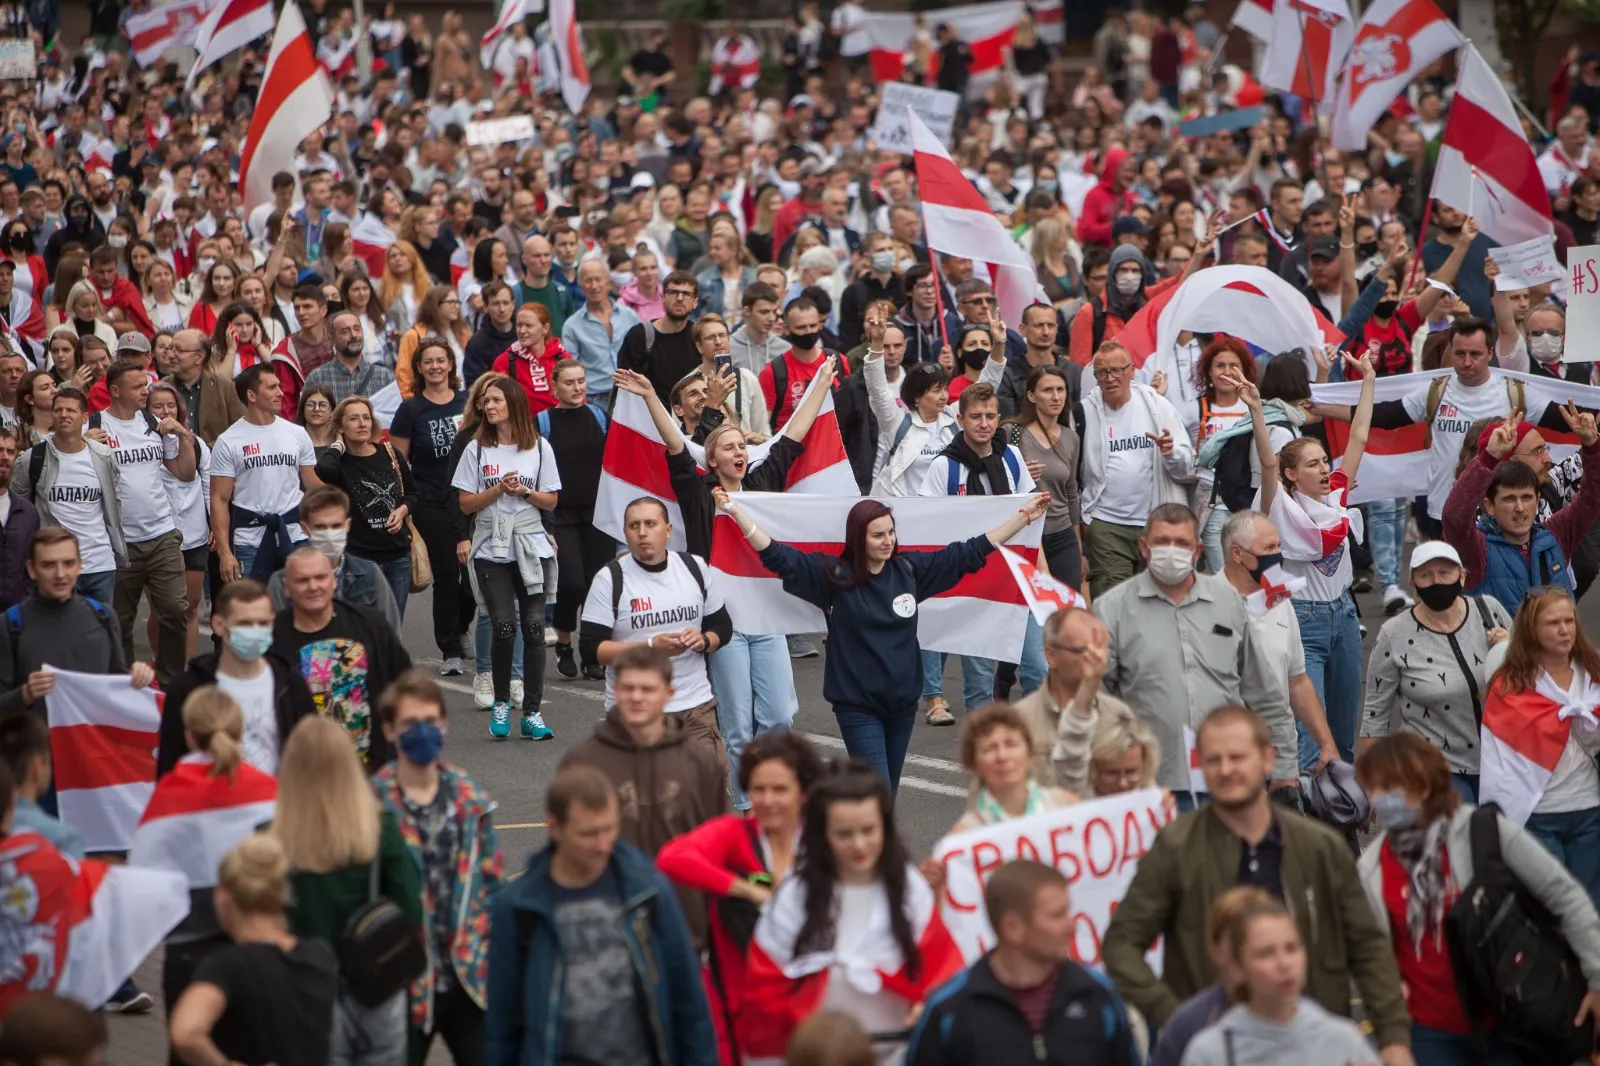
pixel 1193 861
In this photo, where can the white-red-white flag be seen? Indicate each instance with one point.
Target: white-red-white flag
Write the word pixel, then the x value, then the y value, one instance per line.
pixel 103 736
pixel 511 12
pixel 985 614
pixel 566 38
pixel 635 464
pixel 1255 18
pixel 151 33
pixel 1191 748
pixel 1486 166
pixel 1276 586
pixel 886 36
pixel 370 239
pixel 1044 594
pixel 735 63
pixel 1524 735
pixel 78 928
pixel 1396 40
pixel 195 817
pixel 959 221
pixel 1309 41
pixel 296 99
pixel 230 26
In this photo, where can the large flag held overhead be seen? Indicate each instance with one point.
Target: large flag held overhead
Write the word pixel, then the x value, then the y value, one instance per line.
pixel 231 25
pixel 103 735
pixel 1486 167
pixel 1397 39
pixel 884 37
pixel 984 615
pixel 296 99
pixel 151 33
pixel 78 928
pixel 370 239
pixel 635 464
pixel 568 43
pixel 511 12
pixel 1309 41
pixel 960 222
pixel 1255 18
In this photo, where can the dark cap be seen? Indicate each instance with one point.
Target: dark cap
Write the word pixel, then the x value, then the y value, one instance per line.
pixel 1128 224
pixel 1322 248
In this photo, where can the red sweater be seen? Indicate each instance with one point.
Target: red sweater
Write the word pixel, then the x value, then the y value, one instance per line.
pixel 1426 974
pixel 126 298
pixel 535 375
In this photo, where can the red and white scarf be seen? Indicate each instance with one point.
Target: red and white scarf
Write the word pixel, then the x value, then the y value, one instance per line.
pixel 1524 735
pixel 1312 529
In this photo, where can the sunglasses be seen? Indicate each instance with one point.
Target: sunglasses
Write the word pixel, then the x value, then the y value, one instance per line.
pixel 1538 591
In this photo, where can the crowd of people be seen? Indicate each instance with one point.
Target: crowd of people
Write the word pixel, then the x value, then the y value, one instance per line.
pixel 403 372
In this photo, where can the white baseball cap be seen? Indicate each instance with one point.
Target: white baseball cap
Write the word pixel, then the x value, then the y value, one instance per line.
pixel 1430 550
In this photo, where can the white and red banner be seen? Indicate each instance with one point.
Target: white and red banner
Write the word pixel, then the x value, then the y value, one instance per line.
pixel 1255 18
pixel 78 928
pixel 985 614
pixel 195 817
pixel 511 12
pixel 1248 302
pixel 635 464
pixel 1396 41
pixel 1096 845
pixel 735 63
pixel 151 33
pixel 1043 593
pixel 370 239
pixel 960 222
pixel 1524 735
pixel 567 41
pixel 1486 167
pixel 884 37
pixel 1309 41
pixel 103 736
pixel 296 98
pixel 230 26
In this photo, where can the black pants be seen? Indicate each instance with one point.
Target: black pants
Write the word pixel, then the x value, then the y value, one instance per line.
pixel 457 1020
pixel 453 609
pixel 500 585
pixel 582 551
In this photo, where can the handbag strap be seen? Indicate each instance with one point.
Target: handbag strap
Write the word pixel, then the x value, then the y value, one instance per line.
pixel 372 872
pixel 394 464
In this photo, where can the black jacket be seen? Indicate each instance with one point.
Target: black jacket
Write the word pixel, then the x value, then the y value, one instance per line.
pixel 858 428
pixel 482 349
pixel 291 699
pixel 855 298
pixel 974 1018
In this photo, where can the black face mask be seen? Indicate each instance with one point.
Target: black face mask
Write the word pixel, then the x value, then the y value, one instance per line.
pixel 803 341
pixel 22 242
pixel 1367 250
pixel 1441 595
pixel 1386 308
pixel 1263 564
pixel 974 358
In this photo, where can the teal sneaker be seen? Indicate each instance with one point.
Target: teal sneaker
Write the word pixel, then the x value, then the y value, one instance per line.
pixel 533 727
pixel 500 721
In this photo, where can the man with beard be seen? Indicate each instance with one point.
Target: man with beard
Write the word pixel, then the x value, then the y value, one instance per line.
pixel 664 350
pixel 1471 283
pixel 81 228
pixel 349 373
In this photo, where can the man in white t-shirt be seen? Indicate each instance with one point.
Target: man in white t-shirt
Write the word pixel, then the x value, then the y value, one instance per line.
pixel 260 467
pixel 74 484
pixel 654 598
pixel 141 447
pixel 1250 545
pixel 1136 455
pixel 1567 159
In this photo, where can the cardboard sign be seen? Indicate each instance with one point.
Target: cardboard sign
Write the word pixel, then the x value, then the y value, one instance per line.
pixel 500 130
pixel 1522 266
pixel 1096 845
pixel 1583 304
pixel 18 60
pixel 936 107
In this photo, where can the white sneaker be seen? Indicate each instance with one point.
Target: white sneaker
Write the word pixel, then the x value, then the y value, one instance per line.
pixel 1395 600
pixel 516 695
pixel 483 691
pixel 451 667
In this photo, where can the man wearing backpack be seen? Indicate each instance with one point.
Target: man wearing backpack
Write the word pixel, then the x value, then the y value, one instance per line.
pixel 142 448
pixel 653 598
pixel 74 483
pixel 664 350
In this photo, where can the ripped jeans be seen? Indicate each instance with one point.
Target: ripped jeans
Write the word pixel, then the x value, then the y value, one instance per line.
pixel 501 591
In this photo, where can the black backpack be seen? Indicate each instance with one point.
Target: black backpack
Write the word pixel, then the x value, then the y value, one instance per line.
pixel 1511 960
pixel 614 567
pixel 381 951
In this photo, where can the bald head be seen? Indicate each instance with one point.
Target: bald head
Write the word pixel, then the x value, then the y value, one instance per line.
pixel 536 256
pixel 190 350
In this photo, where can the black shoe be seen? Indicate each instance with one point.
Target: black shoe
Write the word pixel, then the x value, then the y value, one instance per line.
pixel 594 672
pixel 1362 583
pixel 565 665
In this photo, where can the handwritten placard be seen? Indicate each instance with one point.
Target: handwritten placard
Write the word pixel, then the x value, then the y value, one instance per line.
pixel 500 130
pixel 18 60
pixel 1583 304
pixel 1522 266
pixel 935 107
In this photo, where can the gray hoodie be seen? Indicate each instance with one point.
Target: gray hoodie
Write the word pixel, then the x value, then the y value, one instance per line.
pixel 1312 1038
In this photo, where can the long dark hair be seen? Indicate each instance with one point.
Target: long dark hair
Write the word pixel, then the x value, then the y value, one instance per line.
pixel 850 782
pixel 1027 412
pixel 852 568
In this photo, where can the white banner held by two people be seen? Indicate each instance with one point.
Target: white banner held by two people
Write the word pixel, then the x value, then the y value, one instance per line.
pixel 1096 846
pixel 936 107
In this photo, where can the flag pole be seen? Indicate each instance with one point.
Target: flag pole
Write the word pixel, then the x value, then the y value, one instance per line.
pixel 1529 115
pixel 938 297
pixel 1316 127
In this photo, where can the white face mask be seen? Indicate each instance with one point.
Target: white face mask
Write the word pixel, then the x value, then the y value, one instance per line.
pixel 1128 284
pixel 1171 564
pixel 1546 349
pixel 330 542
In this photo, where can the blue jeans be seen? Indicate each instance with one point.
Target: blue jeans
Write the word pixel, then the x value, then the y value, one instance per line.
pixel 977 678
pixel 1332 640
pixel 246 554
pixel 397 573
pixel 481 639
pixel 1031 671
pixel 880 740
pixel 100 586
pixel 754 684
pixel 1211 537
pixel 1574 838
pixel 1435 1047
pixel 1466 785
pixel 1386 532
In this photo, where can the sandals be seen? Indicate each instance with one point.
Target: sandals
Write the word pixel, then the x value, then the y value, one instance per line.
pixel 939 712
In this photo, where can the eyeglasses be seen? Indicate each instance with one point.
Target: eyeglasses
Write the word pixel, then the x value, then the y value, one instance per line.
pixel 1536 591
pixel 451 301
pixel 1075 649
pixel 318 405
pixel 682 294
pixel 980 300
pixel 1102 373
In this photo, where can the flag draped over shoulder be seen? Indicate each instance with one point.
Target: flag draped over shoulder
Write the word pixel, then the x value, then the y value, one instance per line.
pixel 195 817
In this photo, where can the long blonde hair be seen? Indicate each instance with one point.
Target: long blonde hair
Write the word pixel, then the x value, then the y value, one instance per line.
pixel 216 723
pixel 255 874
pixel 390 287
pixel 327 814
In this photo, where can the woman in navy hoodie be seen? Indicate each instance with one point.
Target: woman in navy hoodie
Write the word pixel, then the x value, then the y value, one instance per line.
pixel 873 675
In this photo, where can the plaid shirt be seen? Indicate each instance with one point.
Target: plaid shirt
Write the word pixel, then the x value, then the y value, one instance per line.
pixel 366 379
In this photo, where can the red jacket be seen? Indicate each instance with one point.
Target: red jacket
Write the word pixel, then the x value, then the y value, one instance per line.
pixel 788 219
pixel 1104 203
pixel 126 298
pixel 536 374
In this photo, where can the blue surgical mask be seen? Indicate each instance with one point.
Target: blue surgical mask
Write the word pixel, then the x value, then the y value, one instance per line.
pixel 1393 812
pixel 422 742
pixel 1394 159
pixel 250 643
